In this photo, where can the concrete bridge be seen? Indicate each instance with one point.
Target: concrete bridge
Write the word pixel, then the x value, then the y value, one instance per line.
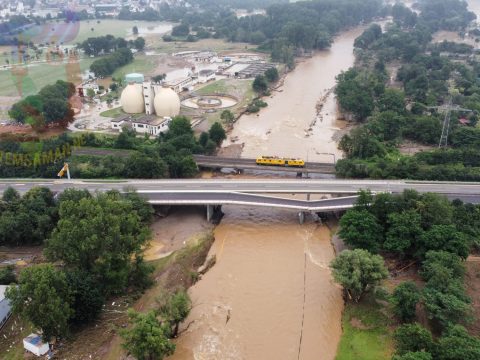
pixel 215 162
pixel 267 193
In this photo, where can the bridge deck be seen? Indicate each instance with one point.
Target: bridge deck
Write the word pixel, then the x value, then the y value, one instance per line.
pixel 214 162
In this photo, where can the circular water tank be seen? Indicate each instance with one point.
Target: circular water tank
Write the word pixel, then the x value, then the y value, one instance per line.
pixel 132 99
pixel 166 103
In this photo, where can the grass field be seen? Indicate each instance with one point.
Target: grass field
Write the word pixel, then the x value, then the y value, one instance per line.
pixel 366 332
pixel 73 33
pixel 29 80
pixel 141 64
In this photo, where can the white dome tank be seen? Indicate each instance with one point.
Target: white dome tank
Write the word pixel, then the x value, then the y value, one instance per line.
pixel 166 103
pixel 132 99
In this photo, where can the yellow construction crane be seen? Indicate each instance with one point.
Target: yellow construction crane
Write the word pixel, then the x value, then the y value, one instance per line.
pixel 63 170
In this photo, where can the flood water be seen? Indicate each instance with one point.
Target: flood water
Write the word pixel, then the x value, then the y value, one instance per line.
pixel 270 294
pixel 285 127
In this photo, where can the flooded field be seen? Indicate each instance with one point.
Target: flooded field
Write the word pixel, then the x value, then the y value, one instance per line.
pixel 292 124
pixel 270 294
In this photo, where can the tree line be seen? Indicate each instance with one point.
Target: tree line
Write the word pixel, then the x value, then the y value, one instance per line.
pixel 435 233
pixel 106 65
pixel 430 74
pixel 108 43
pixel 98 240
pixel 50 106
pixel 284 28
pixel 169 155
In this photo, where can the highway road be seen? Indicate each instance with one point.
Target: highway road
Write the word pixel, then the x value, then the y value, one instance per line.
pixel 254 192
pixel 213 162
pixel 261 186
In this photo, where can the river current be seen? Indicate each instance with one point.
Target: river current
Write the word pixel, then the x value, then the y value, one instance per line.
pixel 270 294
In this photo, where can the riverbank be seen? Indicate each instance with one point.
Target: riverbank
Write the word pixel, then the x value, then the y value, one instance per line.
pixel 301 117
pixel 270 294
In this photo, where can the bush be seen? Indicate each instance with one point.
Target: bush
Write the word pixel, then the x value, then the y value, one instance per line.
pixel 412 338
pixel 7 275
pixel 405 298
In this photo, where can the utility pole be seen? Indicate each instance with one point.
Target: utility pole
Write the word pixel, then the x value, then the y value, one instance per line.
pixel 446 125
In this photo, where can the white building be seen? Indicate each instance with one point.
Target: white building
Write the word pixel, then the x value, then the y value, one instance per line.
pixel 5 308
pixel 147 124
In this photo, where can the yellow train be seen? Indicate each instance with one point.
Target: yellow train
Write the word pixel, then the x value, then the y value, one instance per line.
pixel 277 161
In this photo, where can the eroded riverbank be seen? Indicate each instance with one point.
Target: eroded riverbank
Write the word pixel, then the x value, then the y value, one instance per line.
pixel 270 294
pixel 291 125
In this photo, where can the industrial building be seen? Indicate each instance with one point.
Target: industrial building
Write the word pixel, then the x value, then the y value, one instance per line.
pixel 141 96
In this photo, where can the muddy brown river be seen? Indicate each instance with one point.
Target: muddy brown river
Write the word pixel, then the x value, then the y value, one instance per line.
pixel 270 294
pixel 291 125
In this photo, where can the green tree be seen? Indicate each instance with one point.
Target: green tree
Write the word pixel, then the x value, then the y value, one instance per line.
pixel 444 237
pixel 227 116
pixel 139 165
pixel 176 309
pixel 87 298
pixel 7 275
pixel 449 305
pixel 412 338
pixel 147 338
pixel 435 261
pixel 457 344
pixel 358 271
pixel 203 139
pixel 139 43
pixel 10 195
pixel 417 355
pixel 404 231
pixel 217 133
pixel 360 229
pixel 392 100
pixel 271 74
pixel 405 298
pixel 260 84
pixel 43 298
pixel 100 235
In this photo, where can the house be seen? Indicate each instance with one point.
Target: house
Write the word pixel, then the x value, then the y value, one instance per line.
pixel 35 345
pixel 5 308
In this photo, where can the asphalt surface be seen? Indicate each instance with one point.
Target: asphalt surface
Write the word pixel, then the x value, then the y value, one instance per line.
pixel 333 186
pixel 250 164
pixel 246 192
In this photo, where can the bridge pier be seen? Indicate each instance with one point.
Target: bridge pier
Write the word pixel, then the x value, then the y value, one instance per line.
pixel 214 213
pixel 301 217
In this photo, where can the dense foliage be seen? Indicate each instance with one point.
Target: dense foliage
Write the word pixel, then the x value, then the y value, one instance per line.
pixel 106 44
pixel 27 220
pixel 428 230
pixel 429 75
pixel 49 106
pixel 169 155
pixel 285 27
pixel 106 65
pixel 98 241
pixel 358 271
